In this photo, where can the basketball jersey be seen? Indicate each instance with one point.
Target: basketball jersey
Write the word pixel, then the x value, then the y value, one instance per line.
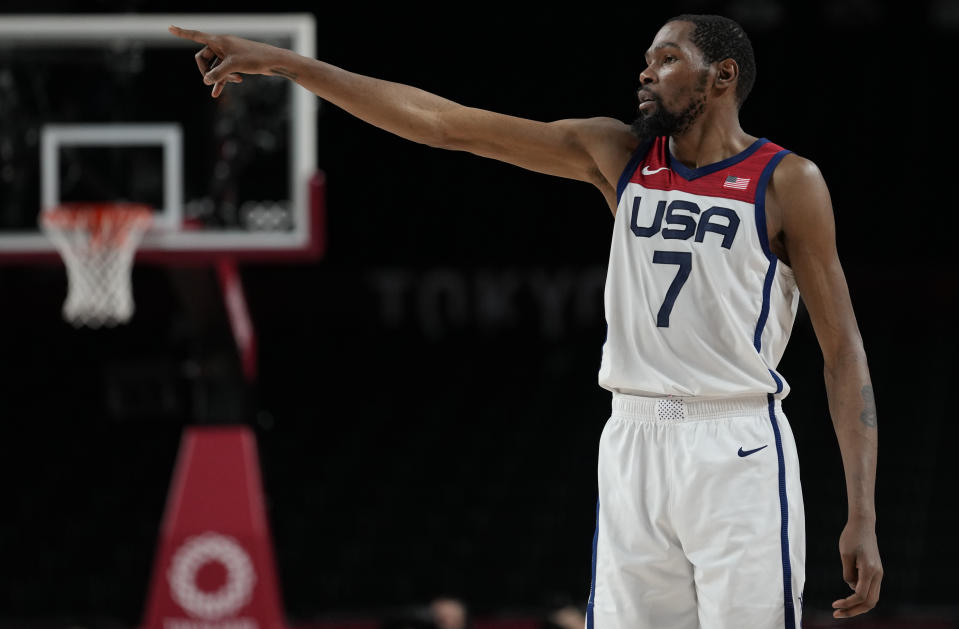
pixel 696 302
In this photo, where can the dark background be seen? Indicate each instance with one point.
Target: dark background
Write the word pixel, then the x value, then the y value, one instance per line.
pixel 418 437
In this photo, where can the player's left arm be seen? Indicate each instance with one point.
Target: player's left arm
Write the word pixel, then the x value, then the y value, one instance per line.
pixel 800 194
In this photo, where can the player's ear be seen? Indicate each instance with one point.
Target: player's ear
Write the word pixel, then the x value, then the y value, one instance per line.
pixel 727 73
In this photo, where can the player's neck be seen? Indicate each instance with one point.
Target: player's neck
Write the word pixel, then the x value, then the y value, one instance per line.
pixel 712 138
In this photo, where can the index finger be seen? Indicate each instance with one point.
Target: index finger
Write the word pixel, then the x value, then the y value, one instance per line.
pixel 185 33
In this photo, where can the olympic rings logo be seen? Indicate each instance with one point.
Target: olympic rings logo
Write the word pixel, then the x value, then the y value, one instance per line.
pixel 228 598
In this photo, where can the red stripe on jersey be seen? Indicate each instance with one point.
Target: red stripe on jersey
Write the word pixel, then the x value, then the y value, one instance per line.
pixel 736 177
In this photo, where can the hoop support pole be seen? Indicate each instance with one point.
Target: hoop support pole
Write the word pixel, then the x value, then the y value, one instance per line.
pixel 241 324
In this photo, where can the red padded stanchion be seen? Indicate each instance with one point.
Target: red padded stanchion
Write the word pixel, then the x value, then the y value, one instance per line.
pixel 214 567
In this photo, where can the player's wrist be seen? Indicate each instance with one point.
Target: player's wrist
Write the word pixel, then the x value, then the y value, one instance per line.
pixel 282 62
pixel 863 516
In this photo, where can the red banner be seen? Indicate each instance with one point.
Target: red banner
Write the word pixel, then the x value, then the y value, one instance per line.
pixel 214 567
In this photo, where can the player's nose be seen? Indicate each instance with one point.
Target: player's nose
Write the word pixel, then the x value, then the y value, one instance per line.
pixel 647 76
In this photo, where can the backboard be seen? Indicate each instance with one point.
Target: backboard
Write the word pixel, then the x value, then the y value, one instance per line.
pixel 112 108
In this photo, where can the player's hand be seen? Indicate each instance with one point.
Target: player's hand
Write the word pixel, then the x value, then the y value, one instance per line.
pixel 224 58
pixel 861 569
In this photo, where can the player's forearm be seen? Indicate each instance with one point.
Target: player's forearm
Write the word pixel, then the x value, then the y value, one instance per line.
pixel 853 411
pixel 406 111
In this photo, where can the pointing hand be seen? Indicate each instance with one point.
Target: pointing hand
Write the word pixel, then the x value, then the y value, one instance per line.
pixel 224 58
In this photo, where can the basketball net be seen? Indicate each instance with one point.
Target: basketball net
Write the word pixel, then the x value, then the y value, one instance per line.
pixel 97 242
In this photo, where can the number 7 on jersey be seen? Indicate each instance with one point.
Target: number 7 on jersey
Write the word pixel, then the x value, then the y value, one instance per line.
pixel 683 259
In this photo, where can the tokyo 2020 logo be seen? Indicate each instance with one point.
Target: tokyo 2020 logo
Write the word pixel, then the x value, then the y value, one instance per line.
pixel 231 596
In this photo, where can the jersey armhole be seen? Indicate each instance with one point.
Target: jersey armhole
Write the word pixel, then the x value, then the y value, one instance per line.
pixel 760 200
pixel 637 157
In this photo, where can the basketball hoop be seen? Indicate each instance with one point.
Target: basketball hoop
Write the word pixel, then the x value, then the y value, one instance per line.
pixel 97 242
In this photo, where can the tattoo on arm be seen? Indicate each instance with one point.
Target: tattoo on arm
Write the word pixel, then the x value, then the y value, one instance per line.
pixel 284 73
pixel 868 415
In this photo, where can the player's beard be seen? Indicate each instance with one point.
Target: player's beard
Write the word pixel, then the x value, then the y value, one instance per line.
pixel 664 122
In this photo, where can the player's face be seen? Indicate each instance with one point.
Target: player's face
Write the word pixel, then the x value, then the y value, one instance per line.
pixel 672 88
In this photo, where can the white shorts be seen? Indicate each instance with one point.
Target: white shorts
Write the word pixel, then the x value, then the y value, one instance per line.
pixel 699 523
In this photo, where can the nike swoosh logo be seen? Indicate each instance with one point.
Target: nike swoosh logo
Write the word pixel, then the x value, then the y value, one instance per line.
pixel 748 452
pixel 647 171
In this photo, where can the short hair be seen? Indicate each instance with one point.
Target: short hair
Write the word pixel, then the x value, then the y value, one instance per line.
pixel 719 38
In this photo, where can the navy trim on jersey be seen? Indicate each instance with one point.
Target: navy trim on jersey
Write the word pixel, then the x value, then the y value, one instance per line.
pixel 592 583
pixel 760 203
pixel 760 206
pixel 627 174
pixel 784 511
pixel 764 309
pixel 779 383
pixel 689 174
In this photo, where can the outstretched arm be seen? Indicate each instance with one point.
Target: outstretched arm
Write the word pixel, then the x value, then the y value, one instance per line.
pixel 810 241
pixel 594 150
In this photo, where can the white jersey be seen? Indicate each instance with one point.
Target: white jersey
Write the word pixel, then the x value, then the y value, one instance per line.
pixel 696 302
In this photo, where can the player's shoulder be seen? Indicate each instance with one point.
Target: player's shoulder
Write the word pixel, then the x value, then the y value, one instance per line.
pixel 795 169
pixel 797 194
pixel 795 177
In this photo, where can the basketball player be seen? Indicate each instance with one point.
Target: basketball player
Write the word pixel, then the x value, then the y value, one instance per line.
pixel 716 232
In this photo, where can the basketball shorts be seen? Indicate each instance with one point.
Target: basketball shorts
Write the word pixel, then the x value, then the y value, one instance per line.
pixel 699 522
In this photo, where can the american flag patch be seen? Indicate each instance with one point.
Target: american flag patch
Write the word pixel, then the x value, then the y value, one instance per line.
pixel 736 183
